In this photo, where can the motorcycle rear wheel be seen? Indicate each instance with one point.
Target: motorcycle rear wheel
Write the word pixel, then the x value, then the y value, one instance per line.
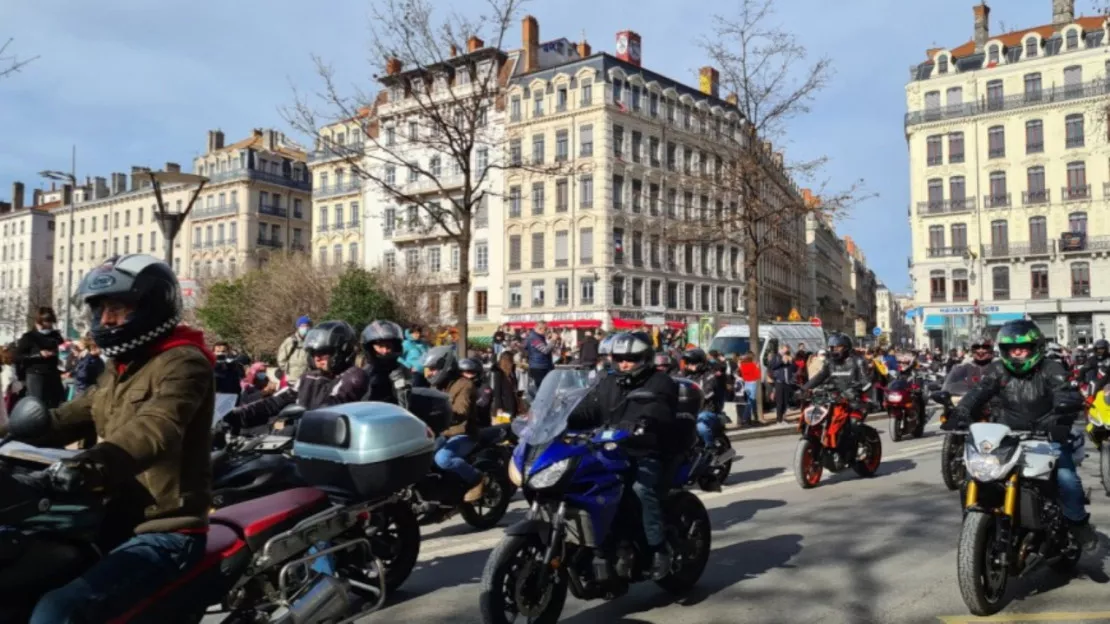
pixel 983 580
pixel 397 542
pixel 691 536
pixel 870 438
pixel 951 465
pixel 490 509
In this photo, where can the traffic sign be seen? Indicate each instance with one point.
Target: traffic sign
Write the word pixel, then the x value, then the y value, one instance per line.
pixel 816 322
pixel 878 331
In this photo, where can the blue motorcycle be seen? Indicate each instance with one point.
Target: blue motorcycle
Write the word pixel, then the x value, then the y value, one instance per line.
pixel 584 532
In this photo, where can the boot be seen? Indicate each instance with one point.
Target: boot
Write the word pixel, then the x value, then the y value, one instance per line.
pixel 474 494
pixel 661 563
pixel 1085 535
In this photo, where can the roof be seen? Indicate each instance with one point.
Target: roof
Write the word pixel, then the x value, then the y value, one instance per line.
pixel 1015 38
pixel 257 141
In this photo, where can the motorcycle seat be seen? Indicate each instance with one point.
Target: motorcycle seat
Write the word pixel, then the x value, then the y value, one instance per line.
pixel 256 521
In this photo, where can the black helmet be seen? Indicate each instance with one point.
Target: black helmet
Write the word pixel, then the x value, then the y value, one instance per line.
pixel 982 345
pixel 443 364
pixel 632 347
pixel 1102 348
pixel 839 347
pixel 1022 334
pixel 663 362
pixel 336 340
pixel 470 365
pixel 385 333
pixel 696 358
pixel 144 283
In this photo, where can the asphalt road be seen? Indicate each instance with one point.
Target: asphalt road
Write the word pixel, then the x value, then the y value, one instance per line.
pixel 852 551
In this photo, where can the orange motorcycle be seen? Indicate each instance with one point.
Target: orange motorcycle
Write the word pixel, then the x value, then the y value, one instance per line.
pixel 835 437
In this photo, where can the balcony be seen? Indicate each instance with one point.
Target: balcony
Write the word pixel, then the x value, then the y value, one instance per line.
pixel 331 152
pixel 934 160
pixel 946 206
pixel 260 176
pixel 297 246
pixel 434 185
pixel 214 211
pixel 1035 197
pixel 273 210
pixel 1019 250
pixel 417 230
pixel 272 243
pixel 1076 193
pixel 1001 200
pixel 1080 243
pixel 946 252
pixel 996 152
pixel 335 190
pixel 1094 88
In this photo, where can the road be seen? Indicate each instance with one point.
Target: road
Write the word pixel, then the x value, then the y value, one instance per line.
pixel 851 551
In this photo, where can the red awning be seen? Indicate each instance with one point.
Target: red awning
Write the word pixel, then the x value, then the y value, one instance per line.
pixel 521 324
pixel 676 324
pixel 576 324
pixel 620 324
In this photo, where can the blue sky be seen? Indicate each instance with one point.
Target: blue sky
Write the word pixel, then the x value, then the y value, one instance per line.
pixel 134 82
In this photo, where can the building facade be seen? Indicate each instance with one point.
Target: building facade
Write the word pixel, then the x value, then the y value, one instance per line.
pixel 826 267
pixel 337 195
pixel 860 284
pixel 26 261
pixel 1009 181
pixel 611 178
pixel 890 318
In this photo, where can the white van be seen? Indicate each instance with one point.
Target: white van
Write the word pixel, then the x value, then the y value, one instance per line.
pixel 772 336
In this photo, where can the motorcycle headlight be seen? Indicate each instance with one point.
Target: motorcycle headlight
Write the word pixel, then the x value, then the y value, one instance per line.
pixel 894 397
pixel 988 463
pixel 549 476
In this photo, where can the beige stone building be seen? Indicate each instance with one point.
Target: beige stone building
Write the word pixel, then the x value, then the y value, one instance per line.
pixel 1009 182
pixel 26 260
pixel 826 268
pixel 337 195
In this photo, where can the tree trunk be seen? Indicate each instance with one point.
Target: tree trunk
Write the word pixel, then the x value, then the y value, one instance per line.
pixel 462 323
pixel 751 304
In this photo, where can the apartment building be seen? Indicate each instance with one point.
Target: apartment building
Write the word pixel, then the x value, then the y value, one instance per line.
pixel 26 260
pixel 826 268
pixel 612 166
pixel 256 203
pixel 860 283
pixel 1010 180
pixel 890 318
pixel 337 194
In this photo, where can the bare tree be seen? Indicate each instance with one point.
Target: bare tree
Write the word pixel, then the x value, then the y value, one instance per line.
pixel 10 63
pixel 772 82
pixel 426 142
pixel 409 291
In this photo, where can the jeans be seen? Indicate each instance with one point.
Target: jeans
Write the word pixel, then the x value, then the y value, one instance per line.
pixel 750 388
pixel 537 375
pixel 122 580
pixel 1071 488
pixel 708 423
pixel 649 471
pixel 781 388
pixel 451 456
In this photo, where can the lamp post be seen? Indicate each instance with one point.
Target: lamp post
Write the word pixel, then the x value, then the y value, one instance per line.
pixel 170 222
pixel 71 179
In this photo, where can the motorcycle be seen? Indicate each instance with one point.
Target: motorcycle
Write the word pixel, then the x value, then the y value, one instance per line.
pixel 249 466
pixel 584 533
pixel 1013 522
pixel 904 402
pixel 1098 431
pixel 834 437
pixel 291 557
pixel 952 470
pixel 712 464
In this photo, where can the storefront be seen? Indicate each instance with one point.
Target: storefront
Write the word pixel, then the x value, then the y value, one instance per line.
pixel 954 327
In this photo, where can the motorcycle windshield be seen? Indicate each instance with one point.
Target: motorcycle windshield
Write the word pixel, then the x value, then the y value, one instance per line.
pixel 561 391
pixel 959 381
pixel 224 404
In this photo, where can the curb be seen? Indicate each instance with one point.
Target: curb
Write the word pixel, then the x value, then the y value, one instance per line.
pixel 773 431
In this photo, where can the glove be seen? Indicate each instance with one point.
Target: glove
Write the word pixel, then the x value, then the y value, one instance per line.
pixel 958 418
pixel 1060 434
pixel 71 476
pixel 231 422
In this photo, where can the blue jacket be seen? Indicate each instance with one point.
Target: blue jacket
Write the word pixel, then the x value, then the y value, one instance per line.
pixel 783 372
pixel 413 351
pixel 539 352
pixel 86 372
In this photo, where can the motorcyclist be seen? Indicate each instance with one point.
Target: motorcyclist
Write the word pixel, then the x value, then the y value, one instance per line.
pixel 331 378
pixel 1026 384
pixel 444 373
pixel 847 372
pixel 607 405
pixel 708 377
pixel 970 373
pixel 152 411
pixel 387 379
pixel 1097 369
pixel 664 363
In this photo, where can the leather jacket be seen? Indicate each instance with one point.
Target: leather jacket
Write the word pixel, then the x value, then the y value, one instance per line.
pixel 1096 371
pixel 713 391
pixel 607 405
pixel 851 373
pixel 1022 401
pixel 316 389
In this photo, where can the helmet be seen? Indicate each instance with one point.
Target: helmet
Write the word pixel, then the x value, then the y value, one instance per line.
pixel 1054 351
pixel 696 358
pixel 444 366
pixel 606 345
pixel 982 345
pixel 144 283
pixel 665 363
pixel 1102 348
pixel 1021 334
pixel 632 347
pixel 839 347
pixel 471 365
pixel 335 339
pixel 387 333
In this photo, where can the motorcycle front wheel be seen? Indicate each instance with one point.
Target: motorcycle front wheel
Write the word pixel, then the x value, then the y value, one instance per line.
pixel 511 586
pixel 807 463
pixel 979 569
pixel 895 426
pixel 1104 465
pixel 951 463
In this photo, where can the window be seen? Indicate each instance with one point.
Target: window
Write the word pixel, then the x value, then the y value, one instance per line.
pixel 998 197
pixel 1077 187
pixel 516 156
pixel 537 149
pixel 959 237
pixel 942 64
pixel 1034 136
pixel 1074 132
pixel 587 92
pixel 1000 283
pixel 956 147
pixel 537 250
pixel 414 131
pixel 434 260
pixel 1037 193
pixel 936 240
pixel 1000 236
pixel 586 191
pixel 1033 87
pixel 959 285
pixel 1077 222
pixel 992 54
pixel 1072 39
pixel 481 257
pixel 481 160
pixel 1038 235
pixel 1031 47
pixel 514 295
pixel 637 249
pixel 637 292
pixel 561 200
pixel 618 141
pixel 537 198
pixel 637 146
pixel 618 291
pixel 637 196
pixel 996 142
pixel 538 294
pixel 586 140
pixel 586 246
pixel 586 290
pixel 514 201
pixel 653 151
pixel 481 303
pixel 1073 81
pixel 1080 279
pixel 618 245
pixel 936 195
pixel 562 291
pixel 618 192
pixel 537 103
pixel 995 95
pixel 514 252
pixel 934 153
pixel 957 193
pixel 562 143
pixel 1038 281
pixel 653 199
pixel 514 108
pixel 562 247
pixel 561 99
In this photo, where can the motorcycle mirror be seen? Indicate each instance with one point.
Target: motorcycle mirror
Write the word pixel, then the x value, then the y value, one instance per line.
pixel 29 419
pixel 1065 403
pixel 934 387
pixel 944 398
pixel 291 411
pixel 432 406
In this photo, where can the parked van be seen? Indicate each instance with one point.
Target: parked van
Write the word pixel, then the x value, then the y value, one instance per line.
pixel 772 336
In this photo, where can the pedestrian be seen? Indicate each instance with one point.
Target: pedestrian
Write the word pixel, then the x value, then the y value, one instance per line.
pixel 504 400
pixel 750 374
pixel 587 350
pixel 782 374
pixel 291 354
pixel 412 355
pixel 38 353
pixel 539 346
pixel 88 367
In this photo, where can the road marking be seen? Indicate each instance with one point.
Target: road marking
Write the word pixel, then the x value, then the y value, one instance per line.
pixel 461 544
pixel 1055 616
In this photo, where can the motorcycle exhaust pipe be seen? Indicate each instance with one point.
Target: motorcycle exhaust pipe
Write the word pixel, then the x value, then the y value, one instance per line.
pixel 725 458
pixel 328 599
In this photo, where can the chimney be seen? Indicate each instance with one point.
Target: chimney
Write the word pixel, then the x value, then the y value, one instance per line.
pixel 530 42
pixel 119 183
pixel 100 187
pixel 454 50
pixel 629 47
pixel 777 158
pixel 173 167
pixel 733 99
pixel 136 177
pixel 709 81
pixel 272 141
pixel 768 147
pixel 219 139
pixel 1063 12
pixel 17 195
pixel 473 44
pixel 36 197
pixel 584 49
pixel 67 194
pixel 393 66
pixel 807 197
pixel 982 25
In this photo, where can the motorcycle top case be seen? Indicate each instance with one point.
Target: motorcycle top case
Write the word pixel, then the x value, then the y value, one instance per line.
pixel 362 450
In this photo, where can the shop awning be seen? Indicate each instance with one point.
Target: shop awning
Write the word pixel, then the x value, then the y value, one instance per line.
pixel 1000 318
pixel 559 324
pixel 622 324
pixel 934 321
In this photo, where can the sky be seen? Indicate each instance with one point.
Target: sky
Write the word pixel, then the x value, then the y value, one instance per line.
pixel 134 82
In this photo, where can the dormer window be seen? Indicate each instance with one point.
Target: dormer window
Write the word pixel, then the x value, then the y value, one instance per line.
pixel 1031 47
pixel 1072 40
pixel 992 54
pixel 942 64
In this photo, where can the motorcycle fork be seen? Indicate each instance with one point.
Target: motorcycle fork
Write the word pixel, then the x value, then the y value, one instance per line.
pixel 551 560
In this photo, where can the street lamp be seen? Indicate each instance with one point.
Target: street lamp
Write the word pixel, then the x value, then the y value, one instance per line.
pixel 170 222
pixel 71 179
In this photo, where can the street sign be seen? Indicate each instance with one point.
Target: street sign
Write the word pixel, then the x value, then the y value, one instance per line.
pixel 655 320
pixel 816 322
pixel 878 331
pixel 794 316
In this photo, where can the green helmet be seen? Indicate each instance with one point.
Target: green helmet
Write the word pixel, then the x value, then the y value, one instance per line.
pixel 1021 334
